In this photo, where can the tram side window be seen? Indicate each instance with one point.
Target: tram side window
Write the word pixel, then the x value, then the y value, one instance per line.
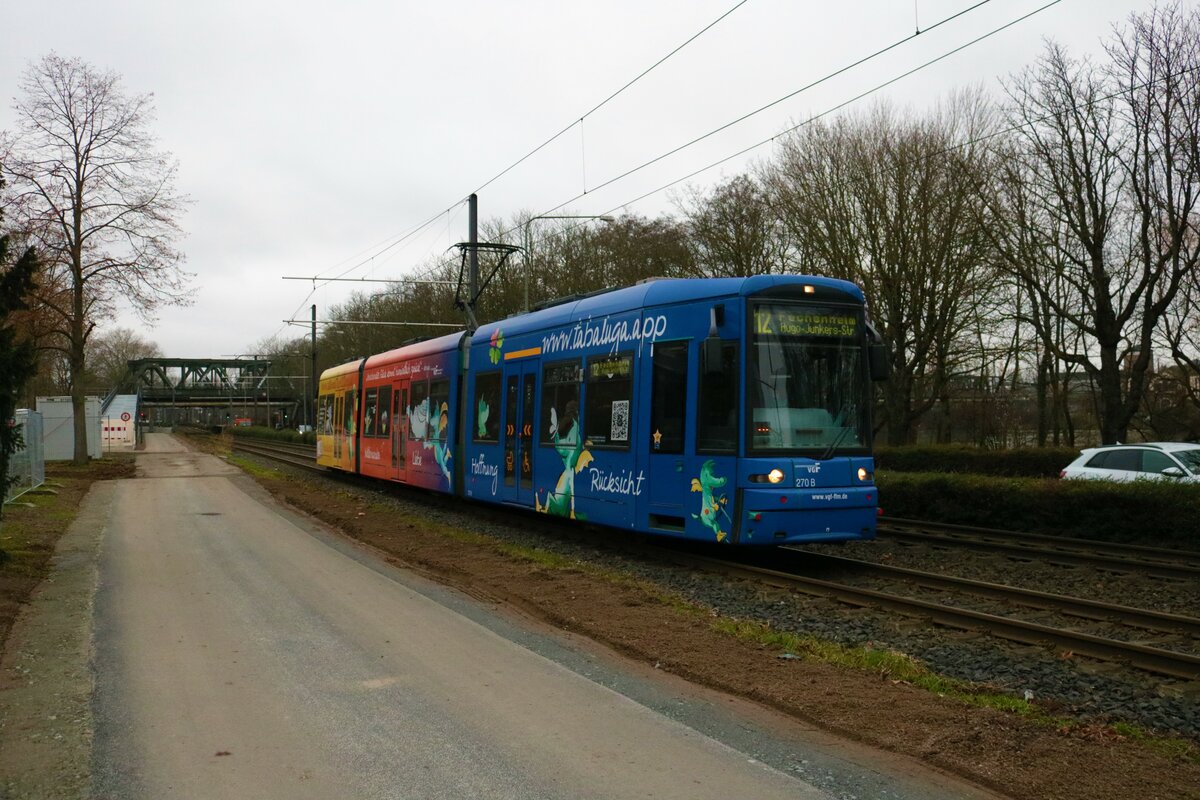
pixel 560 404
pixel 351 412
pixel 486 418
pixel 383 425
pixel 439 410
pixel 371 413
pixel 717 426
pixel 399 423
pixel 325 416
pixel 609 392
pixel 418 411
pixel 668 403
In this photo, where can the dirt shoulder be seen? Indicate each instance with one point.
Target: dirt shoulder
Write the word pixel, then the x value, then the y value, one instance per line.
pixel 1003 751
pixel 31 527
pixel 47 581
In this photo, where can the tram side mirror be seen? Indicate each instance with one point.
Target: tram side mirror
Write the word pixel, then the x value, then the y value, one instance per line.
pixel 712 355
pixel 877 358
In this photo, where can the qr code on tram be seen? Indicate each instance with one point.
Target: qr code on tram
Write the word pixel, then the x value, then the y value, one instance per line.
pixel 620 421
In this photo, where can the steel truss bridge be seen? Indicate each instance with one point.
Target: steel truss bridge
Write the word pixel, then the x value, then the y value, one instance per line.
pixel 213 390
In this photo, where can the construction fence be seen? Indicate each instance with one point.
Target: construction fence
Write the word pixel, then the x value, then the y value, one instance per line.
pixel 27 465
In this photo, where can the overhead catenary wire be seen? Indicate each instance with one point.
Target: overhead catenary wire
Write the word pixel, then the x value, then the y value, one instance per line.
pixel 326 281
pixel 826 112
pixel 841 70
pixel 408 235
pixel 608 99
pixel 790 95
pixel 412 232
pixel 736 121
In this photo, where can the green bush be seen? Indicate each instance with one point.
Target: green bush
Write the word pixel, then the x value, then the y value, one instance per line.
pixel 286 435
pixel 1156 514
pixel 1031 462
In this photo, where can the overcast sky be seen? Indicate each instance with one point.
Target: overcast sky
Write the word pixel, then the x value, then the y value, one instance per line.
pixel 309 135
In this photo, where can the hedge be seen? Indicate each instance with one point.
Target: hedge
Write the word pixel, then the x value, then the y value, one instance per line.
pixel 1156 514
pixel 1033 462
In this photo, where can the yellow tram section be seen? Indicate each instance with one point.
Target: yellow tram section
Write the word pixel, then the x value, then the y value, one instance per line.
pixel 338 416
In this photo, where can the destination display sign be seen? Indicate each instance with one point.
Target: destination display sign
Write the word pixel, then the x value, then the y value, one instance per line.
pixel 802 321
pixel 612 367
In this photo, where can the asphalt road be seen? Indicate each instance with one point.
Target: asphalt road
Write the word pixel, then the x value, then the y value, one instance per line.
pixel 237 655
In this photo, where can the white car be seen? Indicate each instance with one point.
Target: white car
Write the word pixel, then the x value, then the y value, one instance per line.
pixel 1156 461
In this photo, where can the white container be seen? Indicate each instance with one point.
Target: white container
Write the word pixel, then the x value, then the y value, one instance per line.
pixel 59 431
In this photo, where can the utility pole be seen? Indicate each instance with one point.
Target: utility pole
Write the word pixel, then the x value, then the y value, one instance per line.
pixel 312 420
pixel 473 274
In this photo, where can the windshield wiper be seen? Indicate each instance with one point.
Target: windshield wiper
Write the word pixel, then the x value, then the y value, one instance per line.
pixel 833 445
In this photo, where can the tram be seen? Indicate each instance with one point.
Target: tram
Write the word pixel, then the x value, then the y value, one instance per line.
pixel 733 410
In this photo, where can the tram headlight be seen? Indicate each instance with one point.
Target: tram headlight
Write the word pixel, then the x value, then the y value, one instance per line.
pixel 863 475
pixel 774 476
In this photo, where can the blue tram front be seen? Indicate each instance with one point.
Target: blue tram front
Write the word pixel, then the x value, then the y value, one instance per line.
pixel 730 410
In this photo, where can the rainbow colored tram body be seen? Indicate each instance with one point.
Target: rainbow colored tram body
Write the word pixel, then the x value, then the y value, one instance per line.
pixel 733 410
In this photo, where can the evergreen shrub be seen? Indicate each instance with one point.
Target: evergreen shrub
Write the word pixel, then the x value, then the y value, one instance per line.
pixel 1032 462
pixel 1150 513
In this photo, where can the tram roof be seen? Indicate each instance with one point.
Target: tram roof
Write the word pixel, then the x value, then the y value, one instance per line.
pixel 341 369
pixel 659 292
pixel 417 349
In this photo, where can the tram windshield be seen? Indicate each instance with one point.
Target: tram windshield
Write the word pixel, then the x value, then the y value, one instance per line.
pixel 806 380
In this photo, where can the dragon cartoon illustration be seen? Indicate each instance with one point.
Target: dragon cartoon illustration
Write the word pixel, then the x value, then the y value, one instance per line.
pixel 482 417
pixel 712 505
pixel 573 451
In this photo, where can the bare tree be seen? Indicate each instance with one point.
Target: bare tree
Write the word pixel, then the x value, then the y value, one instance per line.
pixel 583 259
pixel 892 203
pixel 732 230
pixel 1180 336
pixel 99 199
pixel 1115 159
pixel 1029 239
pixel 109 355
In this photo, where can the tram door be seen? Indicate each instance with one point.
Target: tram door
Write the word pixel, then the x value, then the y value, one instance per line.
pixel 339 433
pixel 400 430
pixel 520 390
pixel 667 476
pixel 712 505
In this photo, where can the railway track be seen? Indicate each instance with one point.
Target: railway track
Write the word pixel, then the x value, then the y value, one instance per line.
pixel 302 456
pixel 1142 656
pixel 1159 562
pixel 1093 610
pixel 790 565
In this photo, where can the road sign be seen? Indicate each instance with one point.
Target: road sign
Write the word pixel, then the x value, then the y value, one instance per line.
pixel 125 416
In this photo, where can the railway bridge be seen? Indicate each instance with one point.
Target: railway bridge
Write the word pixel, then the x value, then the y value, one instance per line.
pixel 213 391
